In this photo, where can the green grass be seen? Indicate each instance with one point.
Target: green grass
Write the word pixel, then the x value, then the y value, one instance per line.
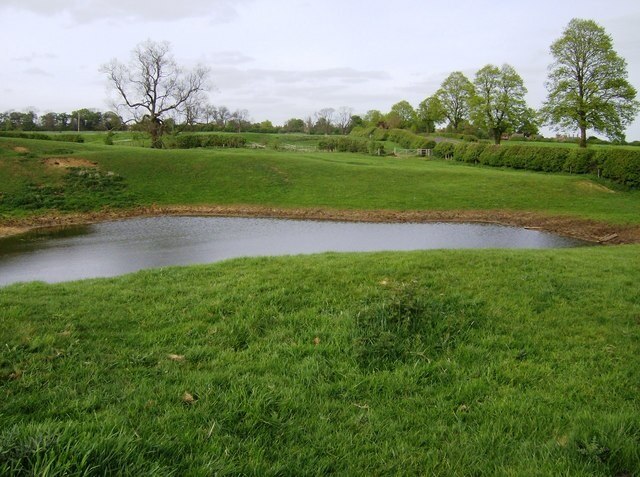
pixel 289 179
pixel 494 362
pixel 519 363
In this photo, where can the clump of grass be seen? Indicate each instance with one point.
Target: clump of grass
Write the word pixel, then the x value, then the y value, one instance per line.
pixel 409 321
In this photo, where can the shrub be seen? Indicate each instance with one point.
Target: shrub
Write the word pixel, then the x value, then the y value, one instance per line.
pixel 619 165
pixel 459 150
pixel 45 137
pixel 492 156
pixel 473 152
pixel 444 150
pixel 580 161
pixel 190 141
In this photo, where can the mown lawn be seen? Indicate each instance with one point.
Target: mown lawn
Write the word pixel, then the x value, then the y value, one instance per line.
pixel 423 363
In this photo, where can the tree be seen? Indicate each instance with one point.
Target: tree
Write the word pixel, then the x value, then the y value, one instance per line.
pixel 222 115
pixel 343 119
pixel 454 95
pixel 324 120
pixel 498 104
pixel 153 85
pixel 587 84
pixel 293 125
pixel 240 118
pixel 374 118
pixel 402 115
pixel 430 113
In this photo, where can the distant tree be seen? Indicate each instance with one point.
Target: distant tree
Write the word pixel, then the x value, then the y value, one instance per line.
pixel 209 112
pixel 324 120
pixel 498 104
pixel 406 113
pixel 455 95
pixel 356 121
pixel 529 123
pixel 192 111
pixel 222 115
pixel 374 118
pixel 153 85
pixel 90 120
pixel 112 121
pixel 587 84
pixel 343 119
pixel 293 125
pixel 240 119
pixel 429 114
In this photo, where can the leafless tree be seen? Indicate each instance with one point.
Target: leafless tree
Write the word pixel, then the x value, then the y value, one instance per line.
pixel 152 85
pixel 343 118
pixel 209 112
pixel 324 119
pixel 222 116
pixel 240 117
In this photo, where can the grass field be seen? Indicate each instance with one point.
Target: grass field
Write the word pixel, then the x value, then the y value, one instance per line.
pixel 425 363
pixel 486 363
pixel 289 179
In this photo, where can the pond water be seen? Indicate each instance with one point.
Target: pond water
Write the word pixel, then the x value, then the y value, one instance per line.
pixel 115 248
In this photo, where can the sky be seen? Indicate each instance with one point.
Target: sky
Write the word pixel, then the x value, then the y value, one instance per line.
pixel 283 58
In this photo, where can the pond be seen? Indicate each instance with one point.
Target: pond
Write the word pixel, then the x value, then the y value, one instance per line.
pixel 119 247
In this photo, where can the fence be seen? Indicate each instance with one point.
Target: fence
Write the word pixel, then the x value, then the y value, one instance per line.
pixel 412 152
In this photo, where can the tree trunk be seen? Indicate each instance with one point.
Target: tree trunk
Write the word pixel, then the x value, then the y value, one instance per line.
pixel 583 136
pixel 155 129
pixel 497 136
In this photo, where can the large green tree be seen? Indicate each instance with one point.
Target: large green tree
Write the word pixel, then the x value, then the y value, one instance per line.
pixel 454 95
pixel 405 114
pixel 498 105
pixel 587 84
pixel 429 113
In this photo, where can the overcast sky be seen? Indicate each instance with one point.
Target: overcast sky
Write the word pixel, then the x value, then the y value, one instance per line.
pixel 284 58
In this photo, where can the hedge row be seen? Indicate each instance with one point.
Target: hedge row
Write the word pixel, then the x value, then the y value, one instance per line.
pixel 402 137
pixel 374 133
pixel 190 141
pixel 619 165
pixel 409 140
pixel 44 137
pixel 344 144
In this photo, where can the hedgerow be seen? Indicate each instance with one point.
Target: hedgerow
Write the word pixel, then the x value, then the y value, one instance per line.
pixel 619 165
pixel 190 141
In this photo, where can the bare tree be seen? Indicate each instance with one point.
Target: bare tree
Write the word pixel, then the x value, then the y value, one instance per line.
pixel 240 117
pixel 209 113
pixel 222 116
pixel 324 119
pixel 152 85
pixel 343 118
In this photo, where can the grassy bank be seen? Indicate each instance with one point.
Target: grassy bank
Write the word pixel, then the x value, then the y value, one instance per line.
pixel 424 363
pixel 288 179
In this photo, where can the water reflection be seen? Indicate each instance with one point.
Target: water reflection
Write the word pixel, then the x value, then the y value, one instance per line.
pixel 115 248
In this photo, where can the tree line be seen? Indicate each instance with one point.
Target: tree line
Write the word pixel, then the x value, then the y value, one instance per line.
pixel 587 90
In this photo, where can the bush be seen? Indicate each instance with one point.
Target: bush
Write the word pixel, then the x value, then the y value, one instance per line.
pixel 345 144
pixel 580 161
pixel 190 141
pixel 459 150
pixel 44 137
pixel 444 150
pixel 473 152
pixel 619 165
pixel 492 156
